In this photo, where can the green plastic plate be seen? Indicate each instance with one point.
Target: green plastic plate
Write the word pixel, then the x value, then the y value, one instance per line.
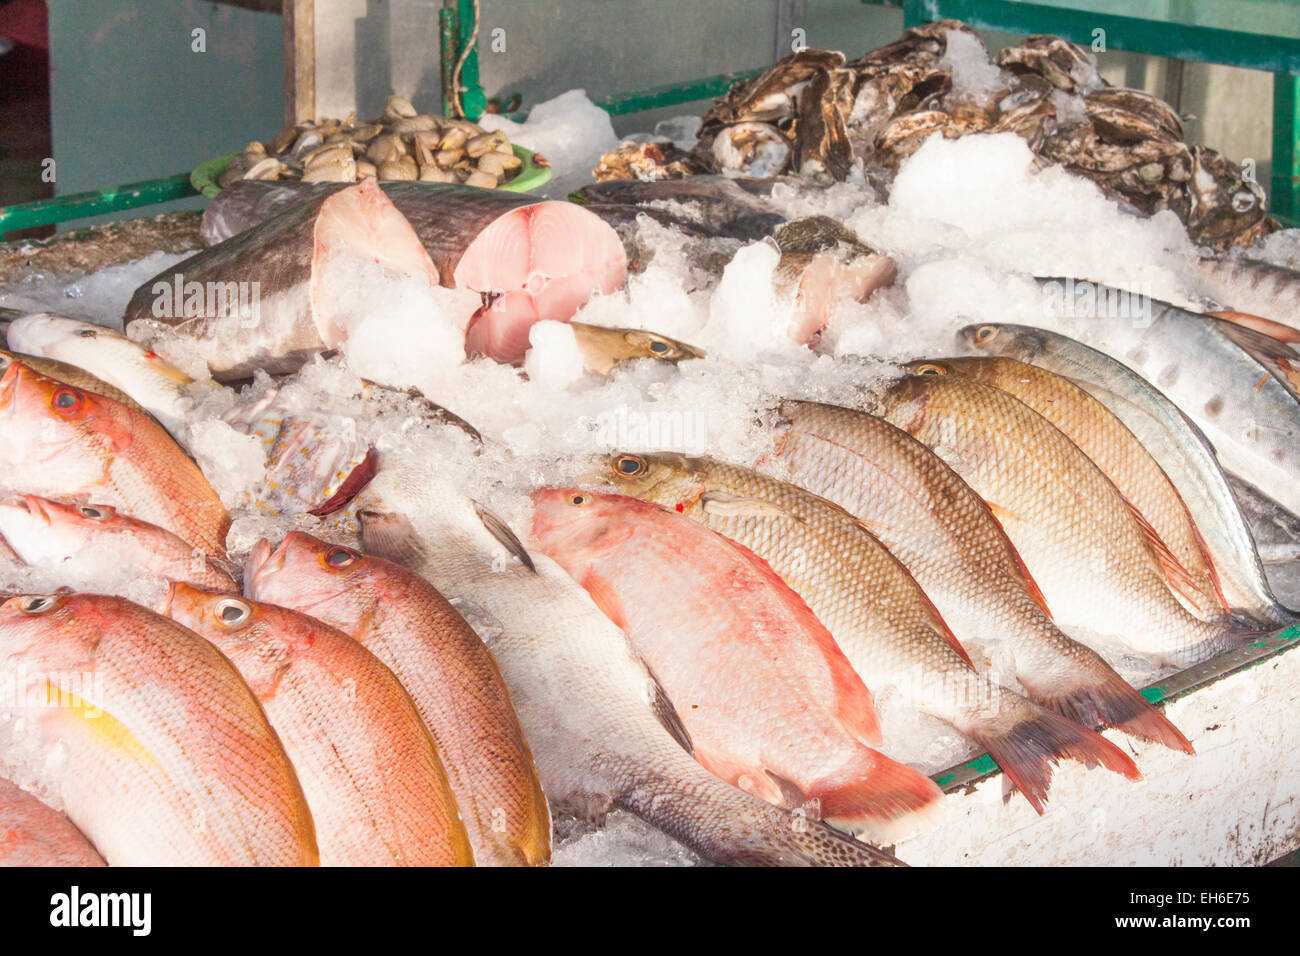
pixel 205 175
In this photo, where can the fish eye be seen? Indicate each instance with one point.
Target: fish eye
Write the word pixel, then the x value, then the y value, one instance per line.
pixel 577 498
pixel 629 466
pixel 659 348
pixel 92 511
pixel 1243 201
pixel 37 603
pixel 931 369
pixel 985 332
pixel 231 612
pixel 87 333
pixel 67 400
pixel 340 557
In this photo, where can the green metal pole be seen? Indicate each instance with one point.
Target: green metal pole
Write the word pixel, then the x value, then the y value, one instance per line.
pixel 1286 146
pixel 42 212
pixel 447 56
pixel 473 100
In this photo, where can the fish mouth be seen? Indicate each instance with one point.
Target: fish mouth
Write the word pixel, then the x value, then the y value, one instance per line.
pixel 263 561
pixel 9 385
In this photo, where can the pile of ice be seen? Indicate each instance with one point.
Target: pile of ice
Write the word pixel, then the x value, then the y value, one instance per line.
pixel 569 131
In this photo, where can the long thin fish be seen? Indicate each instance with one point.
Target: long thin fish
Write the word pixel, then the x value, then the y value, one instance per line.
pixel 1171 438
pixel 877 613
pixel 158 750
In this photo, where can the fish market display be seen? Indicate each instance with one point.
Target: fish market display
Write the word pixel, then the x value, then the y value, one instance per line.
pixel 164 756
pixel 881 443
pixel 1090 555
pixel 875 610
pixel 36 835
pixel 372 777
pixel 602 730
pixel 400 144
pixel 664 581
pixel 451 675
pixel 62 440
pixel 1180 449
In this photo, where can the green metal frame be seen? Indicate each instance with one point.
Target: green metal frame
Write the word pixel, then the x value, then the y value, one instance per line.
pixel 1277 55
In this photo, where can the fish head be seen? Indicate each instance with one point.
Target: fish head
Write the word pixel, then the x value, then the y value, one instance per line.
pixel 53 634
pixel 43 417
pixel 41 332
pixel 603 349
pixel 1008 340
pixel 258 638
pixel 40 530
pixel 328 581
pixel 666 478
pixel 906 400
pixel 573 526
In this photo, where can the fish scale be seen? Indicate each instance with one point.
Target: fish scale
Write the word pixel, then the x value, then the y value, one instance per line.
pixel 1077 536
pixel 871 604
pixel 945 535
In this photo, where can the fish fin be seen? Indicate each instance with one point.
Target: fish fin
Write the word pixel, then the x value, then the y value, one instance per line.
pixel 1026 746
pixel 606 598
pixel 882 797
pixel 1212 572
pixel 667 713
pixel 352 485
pixel 941 626
pixel 723 504
pixel 792 795
pixel 501 531
pixel 390 535
pixel 1026 578
pixel 1276 330
pixel 1178 578
pixel 1097 696
pixel 1264 339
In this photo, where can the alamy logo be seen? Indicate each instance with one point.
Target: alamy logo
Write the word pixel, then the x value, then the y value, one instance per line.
pixel 179 299
pixel 74 908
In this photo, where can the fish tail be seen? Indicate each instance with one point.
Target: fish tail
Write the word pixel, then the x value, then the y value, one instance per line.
pixel 882 797
pixel 1099 697
pixel 1028 742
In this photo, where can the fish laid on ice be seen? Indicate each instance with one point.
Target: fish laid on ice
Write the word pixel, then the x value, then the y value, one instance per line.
pixel 368 767
pixel 1080 540
pixel 154 744
pixel 767 699
pixel 449 672
pixel 263 300
pixel 66 442
pixel 1168 436
pixel 873 607
pixel 714 206
pixel 530 259
pixel 1241 404
pixel 598 724
pixel 1114 449
pixel 33 834
pixel 47 533
pixel 1253 287
pixel 605 349
pixel 946 536
pixel 109 356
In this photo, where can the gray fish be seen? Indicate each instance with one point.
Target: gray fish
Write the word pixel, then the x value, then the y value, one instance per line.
pixel 1170 437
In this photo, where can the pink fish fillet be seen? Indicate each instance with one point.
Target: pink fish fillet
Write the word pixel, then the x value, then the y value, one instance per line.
pixel 766 699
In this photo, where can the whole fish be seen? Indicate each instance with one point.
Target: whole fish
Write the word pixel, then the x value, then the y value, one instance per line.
pixel 110 356
pixel 33 834
pixel 156 747
pixel 1241 404
pixel 602 731
pixel 62 440
pixel 1079 539
pixel 1171 438
pixel 368 767
pixel 531 259
pixel 450 674
pixel 946 536
pixel 262 300
pixel 875 610
pixel 1114 449
pixel 768 700
pixel 45 532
